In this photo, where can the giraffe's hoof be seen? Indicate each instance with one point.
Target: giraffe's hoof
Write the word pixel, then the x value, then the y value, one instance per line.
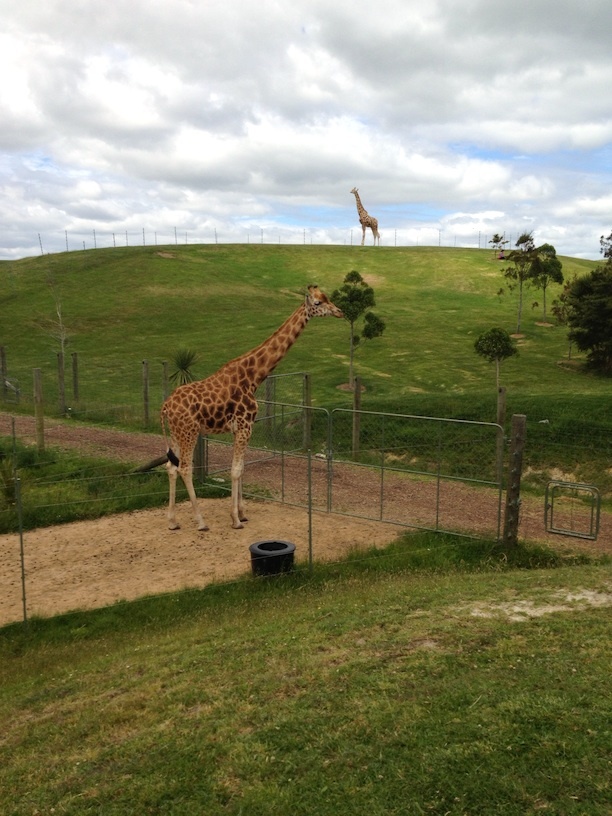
pixel 174 525
pixel 202 528
pixel 237 525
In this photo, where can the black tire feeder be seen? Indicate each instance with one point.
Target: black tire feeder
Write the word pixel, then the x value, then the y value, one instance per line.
pixel 271 557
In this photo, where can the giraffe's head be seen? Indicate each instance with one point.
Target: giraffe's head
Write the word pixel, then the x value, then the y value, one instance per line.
pixel 319 305
pixel 354 191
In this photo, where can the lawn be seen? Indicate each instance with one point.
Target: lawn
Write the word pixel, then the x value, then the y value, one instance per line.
pixel 435 677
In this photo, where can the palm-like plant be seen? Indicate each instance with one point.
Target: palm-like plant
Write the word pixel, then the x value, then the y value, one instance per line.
pixel 183 361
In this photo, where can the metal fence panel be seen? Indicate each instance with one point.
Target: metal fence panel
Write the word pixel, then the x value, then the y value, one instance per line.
pixel 424 472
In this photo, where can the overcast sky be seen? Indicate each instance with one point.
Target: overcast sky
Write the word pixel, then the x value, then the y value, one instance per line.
pixel 246 120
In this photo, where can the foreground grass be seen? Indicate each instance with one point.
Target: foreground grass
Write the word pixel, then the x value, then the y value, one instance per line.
pixel 433 678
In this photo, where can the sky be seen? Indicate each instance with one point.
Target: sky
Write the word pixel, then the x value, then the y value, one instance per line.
pixel 200 121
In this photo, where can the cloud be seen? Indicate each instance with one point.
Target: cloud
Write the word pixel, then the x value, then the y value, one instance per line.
pixel 202 116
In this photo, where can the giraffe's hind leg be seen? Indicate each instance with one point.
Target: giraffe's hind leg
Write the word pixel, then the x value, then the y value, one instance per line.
pixel 172 474
pixel 184 456
pixel 187 476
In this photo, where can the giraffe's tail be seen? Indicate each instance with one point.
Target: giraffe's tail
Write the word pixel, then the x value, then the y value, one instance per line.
pixel 170 454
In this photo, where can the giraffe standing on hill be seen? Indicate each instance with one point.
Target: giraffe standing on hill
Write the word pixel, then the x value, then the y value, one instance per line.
pixel 225 403
pixel 365 219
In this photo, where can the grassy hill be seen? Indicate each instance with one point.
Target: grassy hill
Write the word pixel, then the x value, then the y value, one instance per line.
pixel 123 305
pixel 437 676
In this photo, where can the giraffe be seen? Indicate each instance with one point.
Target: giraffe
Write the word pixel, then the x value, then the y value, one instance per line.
pixel 225 402
pixel 365 219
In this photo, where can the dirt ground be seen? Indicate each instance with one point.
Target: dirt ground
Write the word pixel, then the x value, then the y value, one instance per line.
pixel 95 563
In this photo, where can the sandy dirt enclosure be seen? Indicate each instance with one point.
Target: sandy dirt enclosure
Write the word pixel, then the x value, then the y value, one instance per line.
pixel 89 564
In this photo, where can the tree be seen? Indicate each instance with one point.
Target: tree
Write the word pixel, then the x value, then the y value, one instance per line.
pixel 531 265
pixel 518 274
pixel 589 302
pixel 561 309
pixel 355 297
pixel 546 269
pixel 495 345
pixel 606 248
pixel 498 243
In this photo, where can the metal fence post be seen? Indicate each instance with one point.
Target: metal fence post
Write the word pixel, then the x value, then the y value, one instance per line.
pixel 307 400
pixel 19 509
pixel 515 469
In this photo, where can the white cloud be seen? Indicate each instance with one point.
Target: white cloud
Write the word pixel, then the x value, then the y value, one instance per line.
pixel 171 113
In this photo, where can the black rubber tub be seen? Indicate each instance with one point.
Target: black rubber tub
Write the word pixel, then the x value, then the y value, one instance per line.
pixel 271 557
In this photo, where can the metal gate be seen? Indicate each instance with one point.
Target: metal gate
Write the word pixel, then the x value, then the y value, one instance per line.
pixel 428 473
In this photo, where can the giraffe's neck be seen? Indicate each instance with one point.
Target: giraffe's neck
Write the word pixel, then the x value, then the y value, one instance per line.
pixel 360 207
pixel 261 360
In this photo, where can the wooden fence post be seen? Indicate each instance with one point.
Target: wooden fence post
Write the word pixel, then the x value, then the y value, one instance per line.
pixel 515 469
pixel 145 391
pixel 356 416
pixel 200 459
pixel 501 421
pixel 39 410
pixel 75 376
pixel 3 371
pixel 165 380
pixel 61 384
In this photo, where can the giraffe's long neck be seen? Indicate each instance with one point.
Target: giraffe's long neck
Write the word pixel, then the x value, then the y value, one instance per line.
pixel 360 207
pixel 261 360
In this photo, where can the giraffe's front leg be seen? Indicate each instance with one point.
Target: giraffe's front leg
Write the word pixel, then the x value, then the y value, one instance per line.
pixel 241 506
pixel 238 512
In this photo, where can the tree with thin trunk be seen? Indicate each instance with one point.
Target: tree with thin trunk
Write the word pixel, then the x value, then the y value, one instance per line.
pixel 495 345
pixel 519 273
pixel 561 309
pixel 546 269
pixel 498 243
pixel 355 298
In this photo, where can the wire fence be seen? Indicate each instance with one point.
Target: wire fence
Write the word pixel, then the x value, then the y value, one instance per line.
pixel 395 477
pixel 400 472
pixel 71 241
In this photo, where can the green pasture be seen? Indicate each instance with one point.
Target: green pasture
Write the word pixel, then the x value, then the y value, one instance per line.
pixel 123 305
pixel 438 675
pixel 435 676
pixel 120 306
